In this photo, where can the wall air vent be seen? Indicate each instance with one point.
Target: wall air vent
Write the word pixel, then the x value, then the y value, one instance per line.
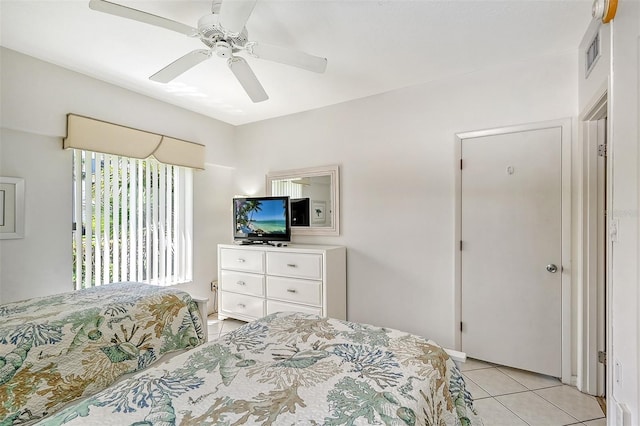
pixel 592 54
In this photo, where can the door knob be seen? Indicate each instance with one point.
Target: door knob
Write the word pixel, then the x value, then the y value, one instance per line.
pixel 552 268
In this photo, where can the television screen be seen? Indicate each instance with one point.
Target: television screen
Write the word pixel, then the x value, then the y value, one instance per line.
pixel 261 219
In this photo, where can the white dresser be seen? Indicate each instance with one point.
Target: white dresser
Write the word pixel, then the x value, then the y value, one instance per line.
pixel 257 280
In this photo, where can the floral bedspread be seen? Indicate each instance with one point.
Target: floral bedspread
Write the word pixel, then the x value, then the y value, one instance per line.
pixel 290 369
pixel 57 349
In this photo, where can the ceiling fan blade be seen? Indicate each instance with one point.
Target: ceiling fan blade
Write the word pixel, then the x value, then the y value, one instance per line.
pixel 234 15
pixel 247 79
pixel 181 65
pixel 138 15
pixel 287 56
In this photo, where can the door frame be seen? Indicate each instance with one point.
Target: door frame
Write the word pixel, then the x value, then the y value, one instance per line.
pixel 591 321
pixel 566 277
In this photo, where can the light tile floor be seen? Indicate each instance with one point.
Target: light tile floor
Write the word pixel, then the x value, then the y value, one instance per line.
pixel 504 396
pixel 218 328
pixel 510 397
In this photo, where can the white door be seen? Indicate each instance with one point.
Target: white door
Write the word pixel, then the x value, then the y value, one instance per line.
pixel 511 257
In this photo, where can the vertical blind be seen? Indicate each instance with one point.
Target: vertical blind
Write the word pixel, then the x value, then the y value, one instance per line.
pixel 132 220
pixel 286 187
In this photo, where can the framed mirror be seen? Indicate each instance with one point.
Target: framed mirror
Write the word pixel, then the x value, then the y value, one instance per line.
pixel 315 198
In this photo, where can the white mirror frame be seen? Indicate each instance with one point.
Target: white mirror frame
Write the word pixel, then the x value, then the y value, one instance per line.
pixel 334 173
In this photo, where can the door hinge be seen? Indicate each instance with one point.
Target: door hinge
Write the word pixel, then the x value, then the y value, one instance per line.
pixel 460 325
pixel 460 245
pixel 602 357
pixel 461 164
pixel 602 150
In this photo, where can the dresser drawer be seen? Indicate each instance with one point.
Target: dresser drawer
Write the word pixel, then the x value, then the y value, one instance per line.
pixel 298 291
pixel 302 265
pixel 242 260
pixel 275 306
pixel 241 304
pixel 242 282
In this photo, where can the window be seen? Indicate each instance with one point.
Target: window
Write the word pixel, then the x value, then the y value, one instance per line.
pixel 132 220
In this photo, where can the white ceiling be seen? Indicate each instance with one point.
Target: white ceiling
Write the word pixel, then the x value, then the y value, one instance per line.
pixel 372 46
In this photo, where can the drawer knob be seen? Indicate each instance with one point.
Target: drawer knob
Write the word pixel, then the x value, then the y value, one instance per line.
pixel 241 283
pixel 290 290
pixel 240 260
pixel 292 265
pixel 242 305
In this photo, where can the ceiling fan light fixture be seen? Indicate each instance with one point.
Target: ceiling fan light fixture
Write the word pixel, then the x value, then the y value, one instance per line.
pixel 224 49
pixel 210 32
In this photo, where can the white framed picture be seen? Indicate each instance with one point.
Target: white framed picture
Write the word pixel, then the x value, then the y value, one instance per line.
pixel 318 213
pixel 11 208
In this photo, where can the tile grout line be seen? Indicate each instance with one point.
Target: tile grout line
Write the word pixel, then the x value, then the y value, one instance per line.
pixel 528 390
pixel 512 393
pixel 556 405
pixel 468 378
pixel 495 399
pixel 508 393
pixel 577 422
pixel 509 410
pixel 560 408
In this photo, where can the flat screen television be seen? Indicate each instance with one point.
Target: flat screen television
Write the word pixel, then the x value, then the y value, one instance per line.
pixel 299 212
pixel 261 219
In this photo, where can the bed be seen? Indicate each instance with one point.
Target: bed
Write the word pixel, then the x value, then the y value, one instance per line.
pixel 290 369
pixel 57 349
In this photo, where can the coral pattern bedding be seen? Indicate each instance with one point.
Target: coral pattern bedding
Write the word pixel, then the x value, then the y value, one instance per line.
pixel 290 369
pixel 56 349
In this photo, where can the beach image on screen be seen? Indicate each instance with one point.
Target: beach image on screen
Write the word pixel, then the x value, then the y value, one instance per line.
pixel 260 217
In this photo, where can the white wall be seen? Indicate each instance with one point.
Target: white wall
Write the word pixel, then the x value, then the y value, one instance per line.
pixel 40 263
pixel 624 98
pixel 35 98
pixel 617 72
pixel 396 153
pixel 591 86
pixel 212 189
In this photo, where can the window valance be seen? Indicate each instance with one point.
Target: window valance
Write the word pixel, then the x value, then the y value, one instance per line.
pixel 100 136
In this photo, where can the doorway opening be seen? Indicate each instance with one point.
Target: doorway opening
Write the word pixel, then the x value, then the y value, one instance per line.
pixel 594 321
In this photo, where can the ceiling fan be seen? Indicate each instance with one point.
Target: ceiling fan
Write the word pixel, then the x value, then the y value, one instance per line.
pixel 223 31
